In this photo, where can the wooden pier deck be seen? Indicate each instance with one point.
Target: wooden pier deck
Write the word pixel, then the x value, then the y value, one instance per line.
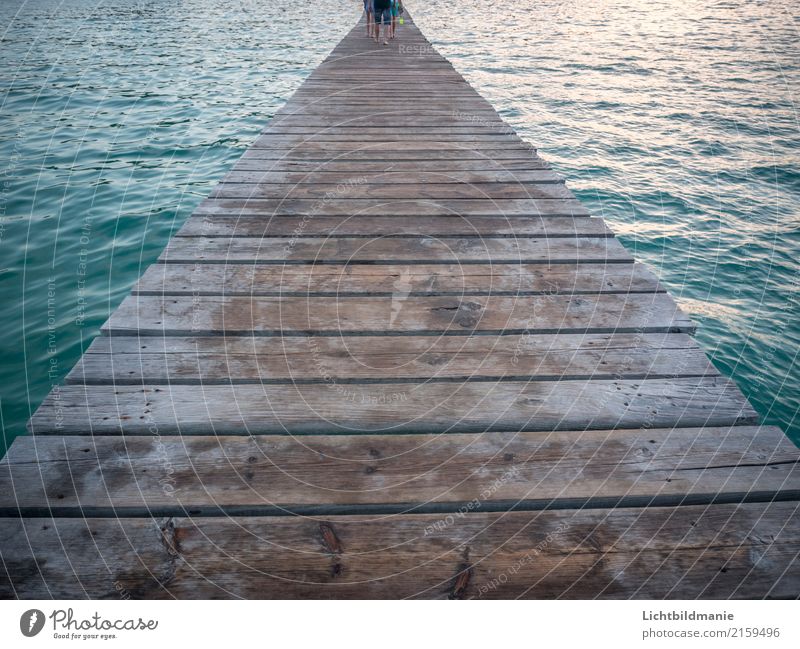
pixel 391 355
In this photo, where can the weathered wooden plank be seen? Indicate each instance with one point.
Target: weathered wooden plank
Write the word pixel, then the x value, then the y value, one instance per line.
pixel 383 154
pixel 406 104
pixel 379 80
pixel 409 111
pixel 329 118
pixel 410 280
pixel 356 189
pixel 411 101
pixel 362 132
pixel 393 250
pixel 342 206
pixel 373 226
pixel 391 177
pixel 401 167
pixel 469 407
pixel 384 149
pixel 388 78
pixel 132 360
pixel 434 87
pixel 274 473
pixel 424 141
pixel 431 89
pixel 397 166
pixel 720 552
pixel 214 315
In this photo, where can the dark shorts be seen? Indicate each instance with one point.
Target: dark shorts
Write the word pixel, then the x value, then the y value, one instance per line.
pixel 383 16
pixel 383 11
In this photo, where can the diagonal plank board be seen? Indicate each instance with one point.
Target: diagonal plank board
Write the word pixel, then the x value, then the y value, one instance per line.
pixel 392 355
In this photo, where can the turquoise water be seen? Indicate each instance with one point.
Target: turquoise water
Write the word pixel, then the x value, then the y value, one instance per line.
pixel 675 121
pixel 118 117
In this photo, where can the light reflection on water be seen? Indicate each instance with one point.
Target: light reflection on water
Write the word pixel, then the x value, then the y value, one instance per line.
pixel 676 121
pixel 117 119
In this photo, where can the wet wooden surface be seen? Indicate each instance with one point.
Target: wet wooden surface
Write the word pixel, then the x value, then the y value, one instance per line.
pixel 392 355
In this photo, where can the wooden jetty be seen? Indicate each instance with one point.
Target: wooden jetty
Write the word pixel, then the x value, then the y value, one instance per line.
pixel 392 356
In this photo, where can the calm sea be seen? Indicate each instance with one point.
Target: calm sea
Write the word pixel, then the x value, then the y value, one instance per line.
pixel 676 121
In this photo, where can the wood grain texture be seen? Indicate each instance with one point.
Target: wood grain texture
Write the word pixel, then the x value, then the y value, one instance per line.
pixel 378 248
pixel 368 132
pixel 214 315
pixel 377 226
pixel 225 359
pixel 719 552
pixel 350 167
pixel 339 280
pixel 390 143
pixel 393 356
pixel 356 190
pixel 342 206
pixel 324 177
pixel 447 154
pixel 281 473
pixel 333 407
pixel 310 120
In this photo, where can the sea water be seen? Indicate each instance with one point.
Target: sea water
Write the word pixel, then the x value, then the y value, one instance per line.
pixel 676 121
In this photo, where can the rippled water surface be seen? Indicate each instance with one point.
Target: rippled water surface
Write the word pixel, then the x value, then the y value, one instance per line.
pixel 117 119
pixel 677 122
pixel 674 120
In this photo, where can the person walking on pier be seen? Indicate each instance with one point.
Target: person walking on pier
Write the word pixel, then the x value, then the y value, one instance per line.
pixel 383 14
pixel 395 9
pixel 369 9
